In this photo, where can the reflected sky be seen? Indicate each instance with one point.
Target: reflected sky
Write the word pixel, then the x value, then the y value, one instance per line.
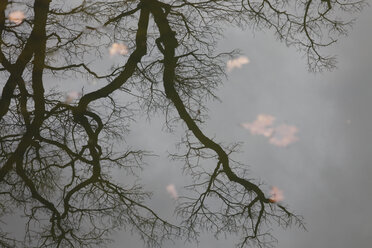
pixel 325 174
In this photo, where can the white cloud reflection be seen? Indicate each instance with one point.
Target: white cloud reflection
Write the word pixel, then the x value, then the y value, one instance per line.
pixel 236 63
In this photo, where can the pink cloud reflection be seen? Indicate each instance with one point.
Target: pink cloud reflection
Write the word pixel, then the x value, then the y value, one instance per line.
pixel 236 63
pixel 276 195
pixel 118 48
pixel 16 17
pixel 171 189
pixel 284 135
pixel 72 95
pixel 280 136
pixel 261 126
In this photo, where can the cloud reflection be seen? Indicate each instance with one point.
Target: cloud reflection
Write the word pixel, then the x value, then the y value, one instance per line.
pixel 118 48
pixel 276 195
pixel 16 17
pixel 171 189
pixel 261 126
pixel 71 96
pixel 284 135
pixel 236 63
pixel 280 136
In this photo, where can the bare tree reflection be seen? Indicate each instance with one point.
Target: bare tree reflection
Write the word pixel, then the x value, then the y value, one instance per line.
pixel 58 156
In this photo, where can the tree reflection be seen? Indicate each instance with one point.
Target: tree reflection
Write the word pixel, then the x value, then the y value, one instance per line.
pixel 59 153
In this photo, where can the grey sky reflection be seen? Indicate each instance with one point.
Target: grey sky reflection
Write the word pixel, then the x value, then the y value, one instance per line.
pixel 326 175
